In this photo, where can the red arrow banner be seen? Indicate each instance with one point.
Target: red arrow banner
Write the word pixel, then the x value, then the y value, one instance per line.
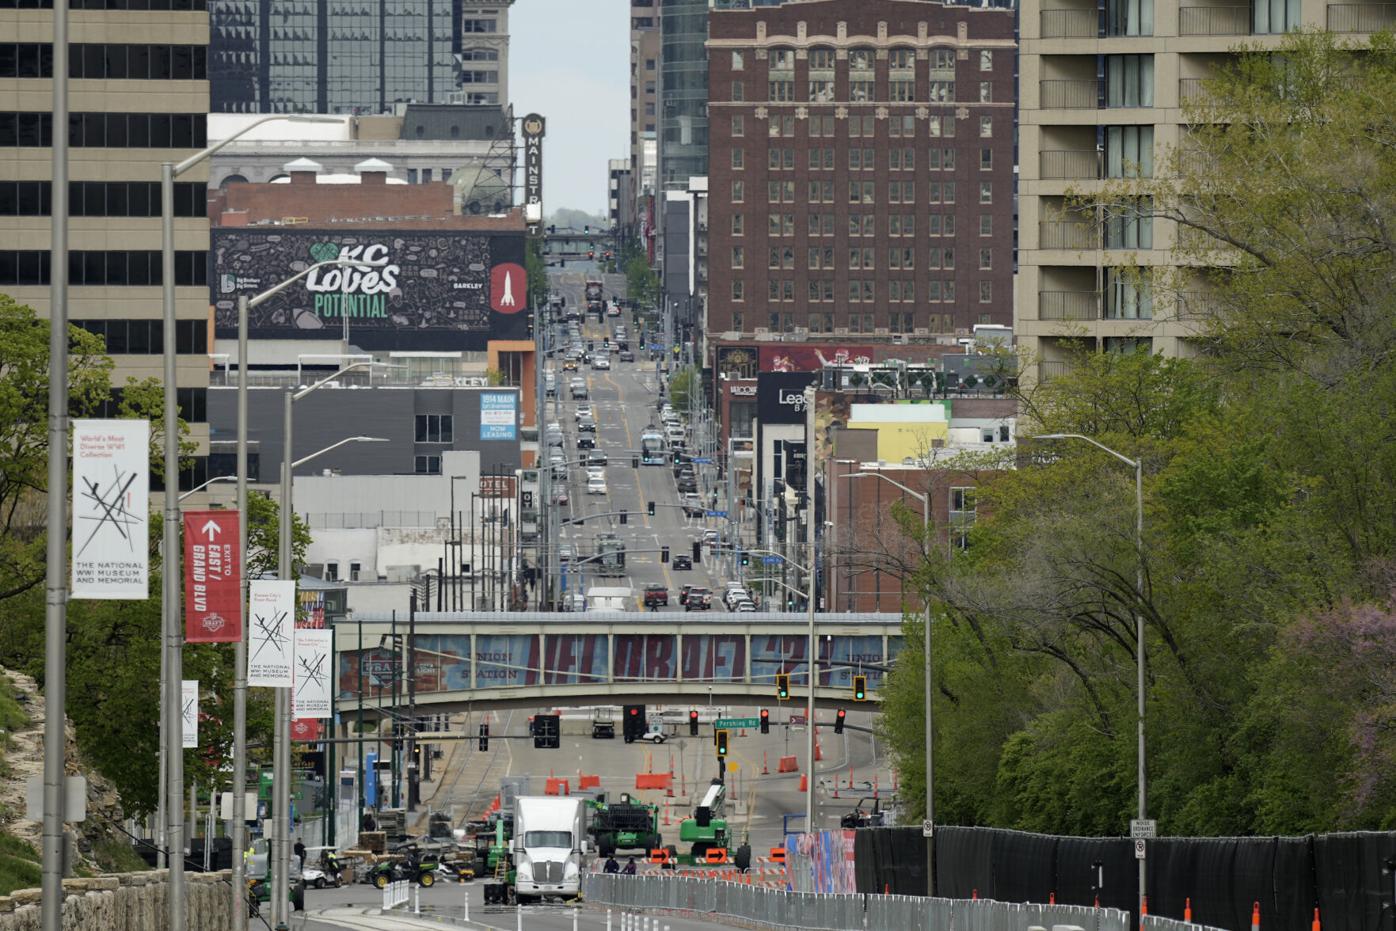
pixel 212 577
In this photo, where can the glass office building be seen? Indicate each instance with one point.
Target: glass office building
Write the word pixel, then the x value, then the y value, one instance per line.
pixel 683 90
pixel 354 56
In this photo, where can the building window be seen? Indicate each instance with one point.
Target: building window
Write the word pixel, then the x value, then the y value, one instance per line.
pixel 986 91
pixel 986 127
pixel 942 92
pixel 821 59
pixel 479 26
pixel 864 126
pixel 435 428
pixel 738 291
pixel 986 192
pixel 781 126
pixel 942 126
pixel 1136 17
pixel 427 465
pixel 738 192
pixel 738 321
pixel 986 159
pixel 355 570
pixel 1129 225
pixel 821 90
pixel 738 91
pixel 738 158
pixel 738 125
pixel 962 516
pixel 1129 151
pixel 780 91
pixel 738 60
pixel 986 292
pixel 1128 296
pixel 1129 80
pixel 903 126
pixel 861 59
pixel 986 225
pixel 986 260
pixel 331 572
pixel 986 60
pixel 738 224
pixel 901 91
pixel 901 258
pixel 781 59
pixel 738 257
pixel 1270 16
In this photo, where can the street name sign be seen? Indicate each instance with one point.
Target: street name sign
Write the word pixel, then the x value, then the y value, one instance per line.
pixel 729 724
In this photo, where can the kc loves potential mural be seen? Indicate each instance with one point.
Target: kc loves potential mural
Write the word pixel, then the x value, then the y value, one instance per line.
pixel 415 290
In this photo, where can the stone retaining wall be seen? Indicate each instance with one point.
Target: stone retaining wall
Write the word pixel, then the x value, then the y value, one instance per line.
pixel 124 902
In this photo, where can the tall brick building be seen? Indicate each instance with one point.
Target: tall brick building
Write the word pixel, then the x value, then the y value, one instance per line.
pixel 860 169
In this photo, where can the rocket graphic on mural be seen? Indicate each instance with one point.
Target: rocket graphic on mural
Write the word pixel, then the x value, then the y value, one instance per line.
pixel 508 299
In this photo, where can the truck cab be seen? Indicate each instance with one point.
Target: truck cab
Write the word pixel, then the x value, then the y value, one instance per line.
pixel 548 846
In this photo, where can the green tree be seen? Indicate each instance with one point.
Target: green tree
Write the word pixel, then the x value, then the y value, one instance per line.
pixel 684 383
pixel 537 271
pixel 641 283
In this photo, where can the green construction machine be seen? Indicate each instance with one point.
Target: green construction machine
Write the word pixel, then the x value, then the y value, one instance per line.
pixel 707 828
pixel 624 825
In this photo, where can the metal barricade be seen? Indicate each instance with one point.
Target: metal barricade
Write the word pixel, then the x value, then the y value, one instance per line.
pixel 812 911
pixel 1159 923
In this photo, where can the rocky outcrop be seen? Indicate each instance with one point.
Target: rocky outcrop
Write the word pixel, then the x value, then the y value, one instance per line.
pixel 124 902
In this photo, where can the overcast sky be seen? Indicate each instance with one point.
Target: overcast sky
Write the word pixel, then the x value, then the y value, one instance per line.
pixel 569 60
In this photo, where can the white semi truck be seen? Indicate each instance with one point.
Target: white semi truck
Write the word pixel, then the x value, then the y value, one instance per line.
pixel 549 845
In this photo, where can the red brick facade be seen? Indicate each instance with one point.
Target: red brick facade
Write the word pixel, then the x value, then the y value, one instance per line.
pixel 813 105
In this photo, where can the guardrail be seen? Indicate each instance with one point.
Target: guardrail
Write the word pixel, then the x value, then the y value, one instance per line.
pixel 779 909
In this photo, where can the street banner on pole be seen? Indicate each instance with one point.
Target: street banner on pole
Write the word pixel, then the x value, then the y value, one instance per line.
pixel 305 730
pixel 111 505
pixel 189 703
pixel 310 696
pixel 212 577
pixel 271 612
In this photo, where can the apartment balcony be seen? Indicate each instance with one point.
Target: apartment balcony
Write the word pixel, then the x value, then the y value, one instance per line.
pixel 1068 94
pixel 1190 89
pixel 1196 305
pixel 1070 23
pixel 1228 20
pixel 1066 234
pixel 1361 17
pixel 1048 370
pixel 1068 305
pixel 1069 164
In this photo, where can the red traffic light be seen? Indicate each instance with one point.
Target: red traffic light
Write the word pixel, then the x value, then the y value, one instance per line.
pixel 838 721
pixel 693 715
pixel 634 712
pixel 764 713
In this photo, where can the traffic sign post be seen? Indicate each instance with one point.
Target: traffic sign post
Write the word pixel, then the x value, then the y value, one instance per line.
pixel 1145 829
pixel 1140 848
pixel 714 513
pixel 928 828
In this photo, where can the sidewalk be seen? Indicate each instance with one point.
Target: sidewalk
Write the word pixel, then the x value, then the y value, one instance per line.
pixel 357 918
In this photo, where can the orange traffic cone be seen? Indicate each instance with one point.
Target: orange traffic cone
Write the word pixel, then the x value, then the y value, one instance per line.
pixel 1187 910
pixel 1255 917
pixel 974 895
pixel 765 767
pixel 804 782
pixel 1052 898
pixel 1317 925
pixel 1143 911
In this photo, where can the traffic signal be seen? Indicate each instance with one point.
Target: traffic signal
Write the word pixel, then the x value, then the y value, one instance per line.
pixel 633 727
pixel 484 736
pixel 634 462
pixel 591 254
pixel 547 731
pixel 721 743
pixel 664 554
pixel 782 686
pixel 624 516
pixel 860 688
pixel 649 508
pixel 746 558
pixel 697 552
pixel 765 721
pixel 838 721
pixel 693 722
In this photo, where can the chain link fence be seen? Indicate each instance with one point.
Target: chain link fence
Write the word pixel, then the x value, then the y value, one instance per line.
pixel 775 908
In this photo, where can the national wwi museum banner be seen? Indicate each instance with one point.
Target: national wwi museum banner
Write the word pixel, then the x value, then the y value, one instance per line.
pixel 419 289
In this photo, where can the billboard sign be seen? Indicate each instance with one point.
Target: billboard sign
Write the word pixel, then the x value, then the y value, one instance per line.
pixel 271 613
pixel 417 289
pixel 780 397
pixel 534 127
pixel 212 577
pixel 786 357
pixel 499 415
pixel 111 509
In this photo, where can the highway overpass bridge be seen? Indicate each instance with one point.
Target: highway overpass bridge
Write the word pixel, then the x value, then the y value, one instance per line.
pixel 521 659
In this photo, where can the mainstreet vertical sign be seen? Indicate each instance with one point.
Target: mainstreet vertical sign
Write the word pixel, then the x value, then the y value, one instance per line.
pixel 111 503
pixel 212 577
pixel 533 126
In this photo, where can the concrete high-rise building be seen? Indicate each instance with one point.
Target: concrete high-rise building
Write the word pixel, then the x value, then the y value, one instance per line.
pixel 861 170
pixel 139 97
pixel 644 76
pixel 337 56
pixel 683 92
pixel 1101 97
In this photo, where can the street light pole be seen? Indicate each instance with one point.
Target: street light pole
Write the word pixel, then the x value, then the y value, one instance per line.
pixel 928 711
pixel 1141 775
pixel 812 644
pixel 238 893
pixel 56 572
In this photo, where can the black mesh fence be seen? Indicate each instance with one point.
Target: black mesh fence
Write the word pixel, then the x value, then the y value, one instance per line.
pixel 1221 879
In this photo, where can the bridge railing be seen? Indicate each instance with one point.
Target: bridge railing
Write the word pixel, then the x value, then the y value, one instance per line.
pixel 780 909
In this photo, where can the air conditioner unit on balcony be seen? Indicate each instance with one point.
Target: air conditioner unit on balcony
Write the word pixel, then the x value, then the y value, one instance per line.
pixel 899 338
pixel 881 331
pixel 840 331
pixel 921 331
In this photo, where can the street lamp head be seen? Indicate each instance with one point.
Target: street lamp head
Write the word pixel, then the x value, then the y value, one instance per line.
pixel 313 118
pixel 368 439
pixel 1051 436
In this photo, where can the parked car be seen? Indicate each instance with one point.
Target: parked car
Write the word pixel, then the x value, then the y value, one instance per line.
pixel 656 596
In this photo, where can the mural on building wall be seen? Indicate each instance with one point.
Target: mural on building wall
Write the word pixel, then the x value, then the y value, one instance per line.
pixel 572 659
pixel 645 656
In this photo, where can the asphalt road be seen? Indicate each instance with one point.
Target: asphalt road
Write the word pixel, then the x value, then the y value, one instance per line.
pixel 624 399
